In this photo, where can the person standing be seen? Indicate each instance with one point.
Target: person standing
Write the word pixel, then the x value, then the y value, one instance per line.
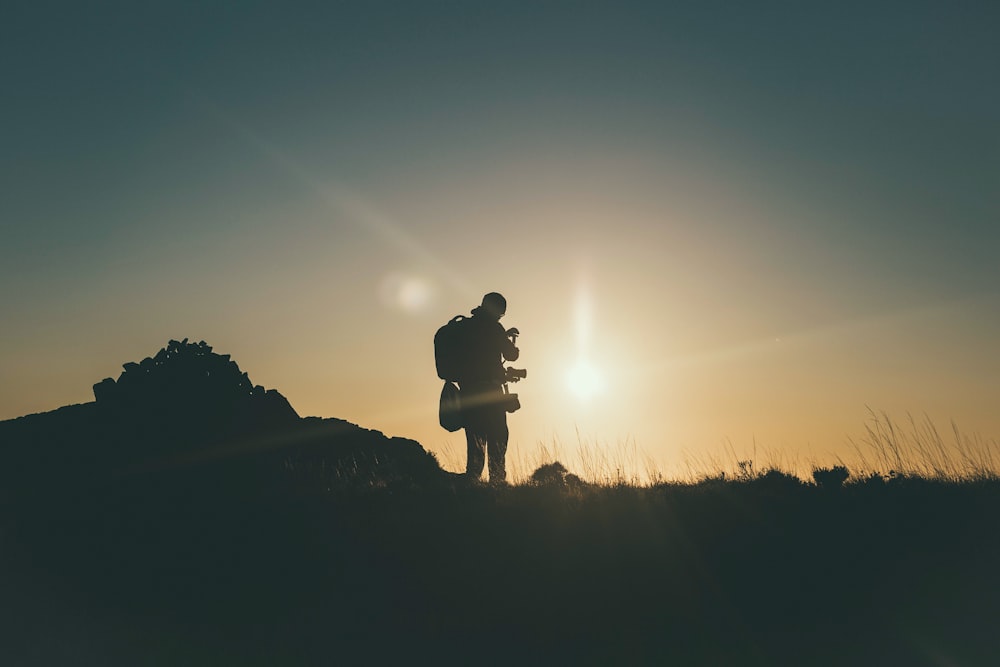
pixel 482 388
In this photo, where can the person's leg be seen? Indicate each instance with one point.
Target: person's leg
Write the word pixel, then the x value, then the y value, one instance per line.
pixel 497 447
pixel 475 432
pixel 475 453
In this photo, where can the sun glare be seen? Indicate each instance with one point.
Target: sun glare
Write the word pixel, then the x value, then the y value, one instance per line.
pixel 584 380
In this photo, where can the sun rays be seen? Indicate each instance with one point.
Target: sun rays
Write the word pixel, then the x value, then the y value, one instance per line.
pixel 584 378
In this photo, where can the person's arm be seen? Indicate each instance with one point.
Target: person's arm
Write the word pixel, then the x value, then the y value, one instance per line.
pixel 508 349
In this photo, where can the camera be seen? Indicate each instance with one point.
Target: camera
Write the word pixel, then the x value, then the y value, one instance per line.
pixel 514 374
pixel 510 401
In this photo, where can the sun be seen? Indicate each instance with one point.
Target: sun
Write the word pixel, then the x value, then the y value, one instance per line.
pixel 584 380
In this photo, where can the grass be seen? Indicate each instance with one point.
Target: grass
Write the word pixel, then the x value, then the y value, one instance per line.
pixel 918 449
pixel 887 449
pixel 623 464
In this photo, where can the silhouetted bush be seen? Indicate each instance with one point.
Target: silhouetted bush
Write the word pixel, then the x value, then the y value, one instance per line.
pixel 773 478
pixel 830 478
pixel 555 474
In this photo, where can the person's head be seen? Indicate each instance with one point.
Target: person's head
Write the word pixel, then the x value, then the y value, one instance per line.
pixel 494 305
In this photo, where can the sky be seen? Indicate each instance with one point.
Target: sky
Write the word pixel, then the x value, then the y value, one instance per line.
pixel 718 227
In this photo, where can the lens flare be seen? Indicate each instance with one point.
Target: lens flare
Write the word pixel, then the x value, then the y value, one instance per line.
pixel 408 293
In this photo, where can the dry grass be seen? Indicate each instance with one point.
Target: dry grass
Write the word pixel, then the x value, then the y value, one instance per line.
pixel 622 464
pixel 915 448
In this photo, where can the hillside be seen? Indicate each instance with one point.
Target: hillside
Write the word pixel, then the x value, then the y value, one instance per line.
pixel 277 540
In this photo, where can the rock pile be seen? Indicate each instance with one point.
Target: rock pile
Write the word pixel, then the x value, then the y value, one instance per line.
pixel 186 386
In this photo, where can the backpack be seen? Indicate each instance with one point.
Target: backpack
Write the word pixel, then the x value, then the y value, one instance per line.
pixel 452 348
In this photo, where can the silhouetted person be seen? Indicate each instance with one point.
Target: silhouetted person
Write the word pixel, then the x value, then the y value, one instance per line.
pixel 483 399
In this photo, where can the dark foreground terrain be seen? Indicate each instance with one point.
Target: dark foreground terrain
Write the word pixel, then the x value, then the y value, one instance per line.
pixel 167 569
pixel 189 517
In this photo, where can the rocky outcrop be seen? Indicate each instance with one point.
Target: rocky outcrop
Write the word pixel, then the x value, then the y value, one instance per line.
pixel 186 389
pixel 188 408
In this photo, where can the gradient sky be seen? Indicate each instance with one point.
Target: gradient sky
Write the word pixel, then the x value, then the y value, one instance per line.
pixel 753 223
